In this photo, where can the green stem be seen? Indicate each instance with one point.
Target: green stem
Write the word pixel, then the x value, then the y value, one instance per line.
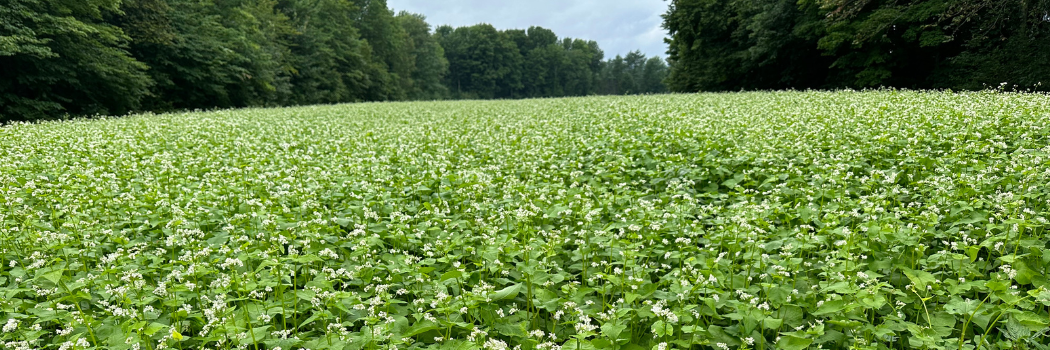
pixel 962 337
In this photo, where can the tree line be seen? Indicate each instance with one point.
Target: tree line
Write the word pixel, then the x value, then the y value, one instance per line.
pixel 87 57
pixel 719 45
pixel 488 63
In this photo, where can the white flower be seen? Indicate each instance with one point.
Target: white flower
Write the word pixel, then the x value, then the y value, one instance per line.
pixel 494 344
pixel 11 325
pixel 1009 271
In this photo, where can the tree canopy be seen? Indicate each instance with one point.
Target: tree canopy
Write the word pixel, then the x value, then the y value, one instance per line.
pixel 488 63
pixel 65 58
pixel 720 45
pixel 59 56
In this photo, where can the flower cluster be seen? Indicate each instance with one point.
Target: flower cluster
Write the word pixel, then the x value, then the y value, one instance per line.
pixel 791 220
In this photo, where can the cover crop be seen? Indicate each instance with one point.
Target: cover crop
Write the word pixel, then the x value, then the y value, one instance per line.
pixel 789 220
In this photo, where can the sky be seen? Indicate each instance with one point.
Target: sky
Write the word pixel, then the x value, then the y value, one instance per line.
pixel 619 26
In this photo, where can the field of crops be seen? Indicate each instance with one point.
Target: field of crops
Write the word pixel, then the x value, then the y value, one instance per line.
pixel 789 220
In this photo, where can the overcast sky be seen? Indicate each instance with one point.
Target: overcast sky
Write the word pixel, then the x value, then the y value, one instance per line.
pixel 619 26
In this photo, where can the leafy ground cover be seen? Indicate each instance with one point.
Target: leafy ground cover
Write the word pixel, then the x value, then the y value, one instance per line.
pixel 789 220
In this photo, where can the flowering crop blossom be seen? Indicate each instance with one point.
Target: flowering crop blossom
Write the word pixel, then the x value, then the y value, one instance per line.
pixel 789 220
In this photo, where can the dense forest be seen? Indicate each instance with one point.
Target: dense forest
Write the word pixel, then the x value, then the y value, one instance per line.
pixel 86 57
pixel 725 45
pixel 61 58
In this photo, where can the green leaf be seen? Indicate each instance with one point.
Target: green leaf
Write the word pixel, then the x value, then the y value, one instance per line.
pixel 661 328
pixel 957 306
pixel 507 293
pixel 51 274
pixel 513 329
pixel 1032 321
pixel 1024 273
pixel 137 325
pixel 612 330
pixel 772 323
pixel 574 344
pixel 633 346
pixel 789 341
pixel 260 333
pixel 997 286
pixel 1014 330
pixel 920 279
pixel 692 329
pixel 312 318
pixel 450 275
pixel 1041 296
pixel 305 294
pixel 420 328
pixel 778 295
pixel 601 343
pixel 720 335
pixel 830 307
pixel 547 299
pixel 791 314
pixel 153 328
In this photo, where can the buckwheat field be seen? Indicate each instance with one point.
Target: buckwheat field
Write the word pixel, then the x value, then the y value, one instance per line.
pixel 788 220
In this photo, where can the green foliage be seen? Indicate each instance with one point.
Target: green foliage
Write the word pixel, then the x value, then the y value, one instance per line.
pixel 59 57
pixel 331 63
pixel 583 63
pixel 483 62
pixel 1007 43
pixel 428 57
pixel 633 74
pixel 388 49
pixel 223 54
pixel 775 44
pixel 893 44
pixel 82 58
pixel 486 63
pixel 733 45
pixel 790 220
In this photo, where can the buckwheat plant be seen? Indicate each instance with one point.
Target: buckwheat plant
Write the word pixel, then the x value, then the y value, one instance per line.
pixel 782 220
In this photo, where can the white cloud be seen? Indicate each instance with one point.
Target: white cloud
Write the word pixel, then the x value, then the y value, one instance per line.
pixel 619 26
